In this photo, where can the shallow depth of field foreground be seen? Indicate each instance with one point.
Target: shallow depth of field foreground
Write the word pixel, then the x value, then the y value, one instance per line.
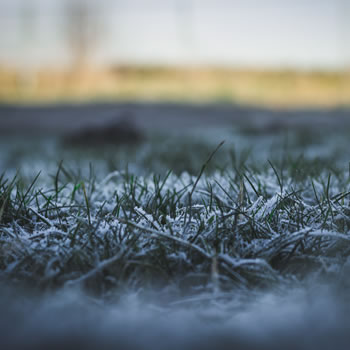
pixel 173 238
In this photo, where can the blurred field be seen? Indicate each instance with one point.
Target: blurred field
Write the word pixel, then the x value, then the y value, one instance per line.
pixel 254 87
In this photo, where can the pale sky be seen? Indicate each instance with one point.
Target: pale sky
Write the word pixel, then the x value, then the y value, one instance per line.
pixel 265 33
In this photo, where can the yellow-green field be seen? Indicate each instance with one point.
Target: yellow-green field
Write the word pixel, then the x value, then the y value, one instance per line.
pixel 257 87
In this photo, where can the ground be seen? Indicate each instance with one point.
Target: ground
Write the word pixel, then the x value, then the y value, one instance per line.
pixel 179 238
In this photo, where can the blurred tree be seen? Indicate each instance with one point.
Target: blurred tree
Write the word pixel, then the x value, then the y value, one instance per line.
pixel 28 18
pixel 82 30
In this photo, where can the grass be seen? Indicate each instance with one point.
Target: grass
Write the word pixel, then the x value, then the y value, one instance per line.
pixel 225 219
pixel 183 241
pixel 242 86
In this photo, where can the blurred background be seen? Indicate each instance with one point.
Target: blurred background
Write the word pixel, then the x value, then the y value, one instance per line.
pixel 290 53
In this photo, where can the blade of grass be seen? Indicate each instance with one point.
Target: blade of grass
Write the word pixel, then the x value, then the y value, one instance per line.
pixel 197 180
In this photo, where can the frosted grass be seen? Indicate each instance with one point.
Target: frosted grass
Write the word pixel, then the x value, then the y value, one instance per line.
pixel 252 253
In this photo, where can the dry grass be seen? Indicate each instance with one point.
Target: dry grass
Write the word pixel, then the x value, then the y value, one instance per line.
pixel 271 88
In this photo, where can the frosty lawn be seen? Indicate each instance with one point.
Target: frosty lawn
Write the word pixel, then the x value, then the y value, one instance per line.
pixel 236 227
pixel 231 223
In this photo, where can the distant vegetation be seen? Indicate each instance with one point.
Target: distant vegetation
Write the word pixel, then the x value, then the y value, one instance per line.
pixel 258 87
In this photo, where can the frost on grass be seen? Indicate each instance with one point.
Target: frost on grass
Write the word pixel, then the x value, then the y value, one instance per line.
pixel 229 230
pixel 178 259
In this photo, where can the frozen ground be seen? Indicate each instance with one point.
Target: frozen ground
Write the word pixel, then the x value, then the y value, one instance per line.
pixel 134 246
